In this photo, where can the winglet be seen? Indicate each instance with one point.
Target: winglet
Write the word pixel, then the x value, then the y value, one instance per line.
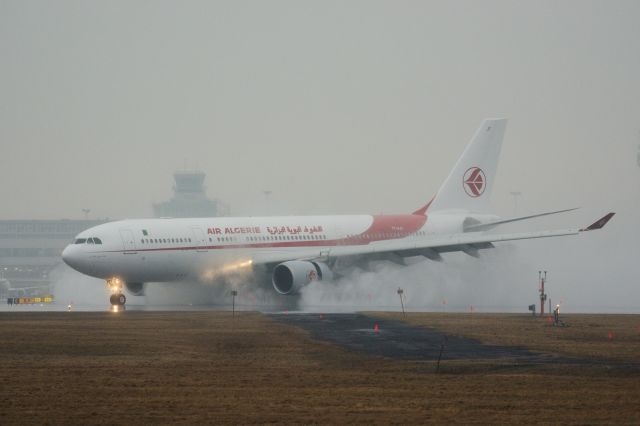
pixel 600 223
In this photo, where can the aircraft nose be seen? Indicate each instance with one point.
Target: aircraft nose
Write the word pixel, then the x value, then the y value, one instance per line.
pixel 70 256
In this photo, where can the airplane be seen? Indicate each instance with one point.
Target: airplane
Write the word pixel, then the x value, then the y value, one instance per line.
pixel 296 250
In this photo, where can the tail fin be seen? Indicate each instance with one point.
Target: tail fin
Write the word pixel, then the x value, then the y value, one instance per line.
pixel 469 184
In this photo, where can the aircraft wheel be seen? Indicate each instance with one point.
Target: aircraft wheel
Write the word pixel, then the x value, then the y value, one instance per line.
pixel 118 299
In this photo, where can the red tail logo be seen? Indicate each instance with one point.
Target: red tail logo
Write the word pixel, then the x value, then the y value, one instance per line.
pixel 474 182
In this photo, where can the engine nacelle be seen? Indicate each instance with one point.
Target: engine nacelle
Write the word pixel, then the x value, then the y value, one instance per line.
pixel 137 289
pixel 289 277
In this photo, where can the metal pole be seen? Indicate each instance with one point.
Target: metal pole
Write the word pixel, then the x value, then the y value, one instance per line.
pixel 234 294
pixel 444 340
pixel 545 294
pixel 400 292
pixel 543 297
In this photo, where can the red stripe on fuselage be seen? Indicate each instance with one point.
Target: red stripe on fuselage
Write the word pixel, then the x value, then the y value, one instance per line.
pixel 388 227
pixel 383 227
pixel 423 210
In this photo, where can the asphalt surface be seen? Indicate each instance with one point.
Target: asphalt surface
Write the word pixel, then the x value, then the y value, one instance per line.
pixel 398 340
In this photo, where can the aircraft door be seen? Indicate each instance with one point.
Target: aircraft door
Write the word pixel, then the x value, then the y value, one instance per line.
pixel 128 242
pixel 199 239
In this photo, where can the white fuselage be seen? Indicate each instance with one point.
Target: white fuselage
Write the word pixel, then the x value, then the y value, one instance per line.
pixel 163 250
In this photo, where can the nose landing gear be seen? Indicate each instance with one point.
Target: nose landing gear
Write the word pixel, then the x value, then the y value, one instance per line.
pixel 115 286
pixel 118 299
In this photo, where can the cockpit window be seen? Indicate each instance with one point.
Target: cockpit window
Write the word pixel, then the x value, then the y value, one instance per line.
pixel 92 240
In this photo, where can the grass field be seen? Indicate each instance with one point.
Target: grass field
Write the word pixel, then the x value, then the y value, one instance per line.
pixel 614 338
pixel 205 367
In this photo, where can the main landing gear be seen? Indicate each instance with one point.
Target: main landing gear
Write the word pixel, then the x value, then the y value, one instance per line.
pixel 117 299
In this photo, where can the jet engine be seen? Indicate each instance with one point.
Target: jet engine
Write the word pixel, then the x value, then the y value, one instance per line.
pixel 289 277
pixel 137 289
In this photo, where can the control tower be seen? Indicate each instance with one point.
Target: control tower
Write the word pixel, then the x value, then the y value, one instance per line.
pixel 190 198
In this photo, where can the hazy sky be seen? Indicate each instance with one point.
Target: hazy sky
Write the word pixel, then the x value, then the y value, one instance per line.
pixel 345 107
pixel 349 107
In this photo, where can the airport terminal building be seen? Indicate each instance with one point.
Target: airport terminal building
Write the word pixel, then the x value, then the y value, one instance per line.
pixel 30 250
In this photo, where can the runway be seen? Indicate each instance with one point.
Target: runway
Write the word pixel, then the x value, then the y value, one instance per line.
pixel 399 340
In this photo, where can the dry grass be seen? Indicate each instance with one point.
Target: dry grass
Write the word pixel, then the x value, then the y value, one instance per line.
pixel 200 367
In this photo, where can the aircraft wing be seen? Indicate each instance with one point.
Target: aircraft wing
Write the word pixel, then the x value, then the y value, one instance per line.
pixel 487 226
pixel 468 242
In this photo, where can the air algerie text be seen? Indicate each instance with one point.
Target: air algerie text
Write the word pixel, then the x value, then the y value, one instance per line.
pixel 236 230
pixel 270 229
